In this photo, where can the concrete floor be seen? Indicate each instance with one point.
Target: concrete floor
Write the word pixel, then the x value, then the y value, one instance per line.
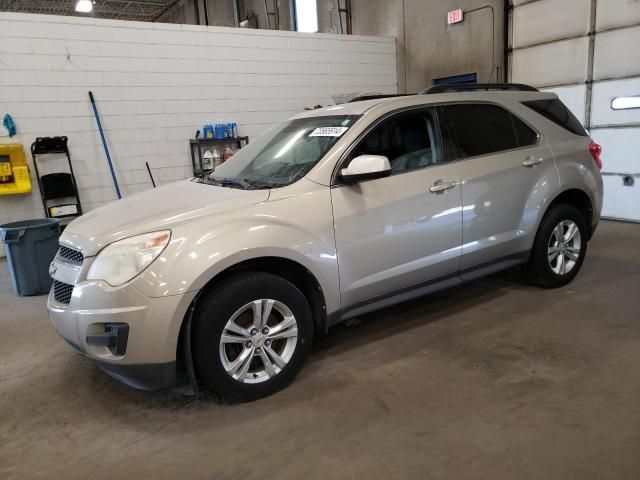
pixel 493 380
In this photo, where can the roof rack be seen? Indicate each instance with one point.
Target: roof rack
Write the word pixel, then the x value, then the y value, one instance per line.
pixel 467 87
pixel 362 98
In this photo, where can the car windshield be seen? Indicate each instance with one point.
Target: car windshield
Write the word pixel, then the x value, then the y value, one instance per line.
pixel 282 155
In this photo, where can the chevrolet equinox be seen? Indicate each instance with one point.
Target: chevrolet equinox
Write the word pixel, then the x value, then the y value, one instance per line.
pixel 223 280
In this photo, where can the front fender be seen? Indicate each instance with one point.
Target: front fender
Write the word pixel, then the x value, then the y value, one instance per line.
pixel 199 252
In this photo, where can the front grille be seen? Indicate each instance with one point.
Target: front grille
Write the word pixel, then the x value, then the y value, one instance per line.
pixel 62 292
pixel 73 256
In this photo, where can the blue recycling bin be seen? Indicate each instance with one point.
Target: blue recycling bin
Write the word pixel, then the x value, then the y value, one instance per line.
pixel 30 246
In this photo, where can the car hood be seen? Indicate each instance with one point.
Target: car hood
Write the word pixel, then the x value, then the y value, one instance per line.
pixel 161 208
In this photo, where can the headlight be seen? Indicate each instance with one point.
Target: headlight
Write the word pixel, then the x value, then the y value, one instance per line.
pixel 122 260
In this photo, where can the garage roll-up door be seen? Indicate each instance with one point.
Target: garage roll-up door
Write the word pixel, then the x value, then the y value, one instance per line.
pixel 588 52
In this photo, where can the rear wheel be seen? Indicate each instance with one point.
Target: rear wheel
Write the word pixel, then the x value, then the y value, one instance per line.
pixel 252 336
pixel 559 248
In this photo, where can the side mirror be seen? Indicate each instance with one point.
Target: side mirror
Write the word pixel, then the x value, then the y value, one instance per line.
pixel 366 167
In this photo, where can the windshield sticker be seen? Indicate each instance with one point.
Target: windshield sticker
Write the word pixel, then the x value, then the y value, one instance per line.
pixel 328 132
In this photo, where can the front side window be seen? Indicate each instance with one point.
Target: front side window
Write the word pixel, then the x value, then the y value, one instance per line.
pixel 282 155
pixel 408 140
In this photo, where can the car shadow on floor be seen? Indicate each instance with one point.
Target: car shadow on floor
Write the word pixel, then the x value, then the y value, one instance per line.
pixel 416 313
pixel 339 341
pixel 337 346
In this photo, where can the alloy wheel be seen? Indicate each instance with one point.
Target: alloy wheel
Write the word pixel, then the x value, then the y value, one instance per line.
pixel 258 341
pixel 564 247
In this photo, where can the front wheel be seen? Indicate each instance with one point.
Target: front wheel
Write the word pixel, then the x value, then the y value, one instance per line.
pixel 559 247
pixel 252 336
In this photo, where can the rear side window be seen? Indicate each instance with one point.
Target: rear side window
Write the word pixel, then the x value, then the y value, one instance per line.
pixel 555 111
pixel 480 129
pixel 526 136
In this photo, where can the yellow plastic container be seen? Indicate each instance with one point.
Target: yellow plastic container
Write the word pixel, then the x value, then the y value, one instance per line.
pixel 14 171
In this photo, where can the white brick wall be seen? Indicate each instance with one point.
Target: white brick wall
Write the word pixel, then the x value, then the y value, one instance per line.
pixel 155 84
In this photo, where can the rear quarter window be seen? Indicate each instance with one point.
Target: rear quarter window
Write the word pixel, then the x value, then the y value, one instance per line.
pixel 554 110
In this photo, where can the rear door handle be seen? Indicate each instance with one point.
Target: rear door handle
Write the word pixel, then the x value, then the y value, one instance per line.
pixel 531 161
pixel 441 186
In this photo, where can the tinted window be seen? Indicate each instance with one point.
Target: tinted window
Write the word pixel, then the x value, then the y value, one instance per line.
pixel 407 140
pixel 526 136
pixel 481 129
pixel 449 143
pixel 555 111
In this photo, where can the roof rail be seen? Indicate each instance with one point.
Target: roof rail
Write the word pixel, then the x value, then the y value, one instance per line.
pixel 466 87
pixel 362 98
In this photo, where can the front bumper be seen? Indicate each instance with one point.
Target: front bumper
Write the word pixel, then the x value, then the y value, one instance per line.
pixel 148 360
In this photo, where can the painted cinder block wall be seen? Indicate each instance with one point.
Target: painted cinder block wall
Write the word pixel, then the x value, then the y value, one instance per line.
pixel 156 83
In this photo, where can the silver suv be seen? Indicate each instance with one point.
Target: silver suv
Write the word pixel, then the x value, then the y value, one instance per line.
pixel 224 279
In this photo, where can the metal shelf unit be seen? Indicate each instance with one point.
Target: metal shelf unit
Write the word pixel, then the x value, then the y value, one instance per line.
pixel 196 145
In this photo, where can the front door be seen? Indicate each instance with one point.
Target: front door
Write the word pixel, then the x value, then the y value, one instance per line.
pixel 403 230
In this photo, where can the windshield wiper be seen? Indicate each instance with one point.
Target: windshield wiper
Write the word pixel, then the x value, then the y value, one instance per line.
pixel 243 183
pixel 230 182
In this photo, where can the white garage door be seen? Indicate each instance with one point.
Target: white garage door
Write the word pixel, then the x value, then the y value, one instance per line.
pixel 588 52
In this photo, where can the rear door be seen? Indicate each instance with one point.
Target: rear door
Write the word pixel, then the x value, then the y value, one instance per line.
pixel 394 233
pixel 505 168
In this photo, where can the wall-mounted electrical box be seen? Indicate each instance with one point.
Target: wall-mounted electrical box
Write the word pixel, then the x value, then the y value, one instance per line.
pixel 14 171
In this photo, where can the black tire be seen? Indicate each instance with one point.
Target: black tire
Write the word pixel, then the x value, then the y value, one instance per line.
pixel 539 268
pixel 219 305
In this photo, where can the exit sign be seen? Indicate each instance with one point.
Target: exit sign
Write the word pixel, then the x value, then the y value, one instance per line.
pixel 455 16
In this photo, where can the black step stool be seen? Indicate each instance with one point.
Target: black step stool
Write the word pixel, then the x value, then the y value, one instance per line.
pixel 59 190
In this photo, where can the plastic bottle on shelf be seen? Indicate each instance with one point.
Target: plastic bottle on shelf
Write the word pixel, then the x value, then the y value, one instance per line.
pixel 207 161
pixel 227 154
pixel 220 130
pixel 217 159
pixel 208 131
pixel 230 131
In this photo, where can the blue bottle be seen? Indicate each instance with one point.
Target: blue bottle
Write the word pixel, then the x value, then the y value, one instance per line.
pixel 230 130
pixel 208 131
pixel 220 130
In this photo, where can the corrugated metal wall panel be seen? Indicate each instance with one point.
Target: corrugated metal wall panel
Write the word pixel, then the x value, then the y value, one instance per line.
pixel 542 21
pixel 552 64
pixel 621 147
pixel 617 13
pixel 617 54
pixel 604 92
pixel 620 201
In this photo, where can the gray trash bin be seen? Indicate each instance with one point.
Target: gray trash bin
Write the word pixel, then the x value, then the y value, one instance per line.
pixel 30 246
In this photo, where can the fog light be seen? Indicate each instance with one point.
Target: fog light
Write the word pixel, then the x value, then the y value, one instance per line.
pixel 115 338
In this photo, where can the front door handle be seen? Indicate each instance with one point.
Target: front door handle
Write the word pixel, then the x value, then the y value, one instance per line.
pixel 531 161
pixel 441 186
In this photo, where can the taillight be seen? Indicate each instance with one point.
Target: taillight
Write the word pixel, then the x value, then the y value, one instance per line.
pixel 595 150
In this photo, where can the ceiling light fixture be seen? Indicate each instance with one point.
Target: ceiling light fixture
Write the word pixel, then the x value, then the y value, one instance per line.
pixel 84 6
